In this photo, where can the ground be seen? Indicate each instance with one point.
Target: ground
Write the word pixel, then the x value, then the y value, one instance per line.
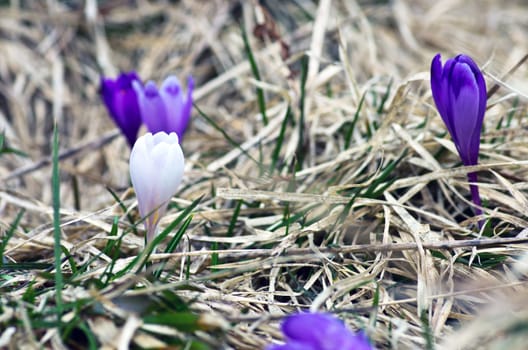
pixel 319 175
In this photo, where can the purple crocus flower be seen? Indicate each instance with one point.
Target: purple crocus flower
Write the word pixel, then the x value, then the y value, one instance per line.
pixel 319 331
pixel 121 101
pixel 459 92
pixel 166 109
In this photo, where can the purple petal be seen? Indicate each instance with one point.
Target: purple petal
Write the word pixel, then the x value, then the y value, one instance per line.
pixel 310 327
pixel 178 107
pixel 187 106
pixel 439 95
pixel 359 342
pixel 292 346
pixel 122 103
pixel 448 107
pixel 153 111
pixel 459 92
pixel 480 82
pixel 129 117
pixel 172 98
pixel 108 90
pixel 464 97
pixel 474 139
pixel 439 87
pixel 322 331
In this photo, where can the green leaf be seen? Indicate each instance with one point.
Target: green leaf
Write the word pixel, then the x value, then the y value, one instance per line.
pixel 256 73
pixel 280 140
pixel 57 248
pixel 350 129
pixel 183 321
pixel 300 144
pixel 8 235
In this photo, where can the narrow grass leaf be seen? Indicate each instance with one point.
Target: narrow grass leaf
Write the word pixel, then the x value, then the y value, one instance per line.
pixel 234 218
pixel 183 321
pixel 352 126
pixel 90 337
pixel 385 97
pixel 9 233
pixel 71 260
pixel 5 149
pixel 57 248
pixel 427 332
pixel 300 145
pixel 256 74
pixel 174 243
pixel 142 258
pixel 280 139
pixel 124 208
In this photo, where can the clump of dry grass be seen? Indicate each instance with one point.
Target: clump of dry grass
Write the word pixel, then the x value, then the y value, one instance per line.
pixel 347 197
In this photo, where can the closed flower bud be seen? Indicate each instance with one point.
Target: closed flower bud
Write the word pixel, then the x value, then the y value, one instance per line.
pixel 459 92
pixel 121 102
pixel 156 171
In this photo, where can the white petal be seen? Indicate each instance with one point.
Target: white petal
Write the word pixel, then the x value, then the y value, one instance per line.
pixel 156 170
pixel 166 138
pixel 168 159
pixel 141 172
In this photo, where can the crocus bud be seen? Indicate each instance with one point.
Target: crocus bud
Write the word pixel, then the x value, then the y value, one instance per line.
pixel 156 170
pixel 121 101
pixel 319 331
pixel 166 109
pixel 459 92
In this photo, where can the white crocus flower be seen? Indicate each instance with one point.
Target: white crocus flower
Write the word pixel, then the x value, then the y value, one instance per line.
pixel 156 170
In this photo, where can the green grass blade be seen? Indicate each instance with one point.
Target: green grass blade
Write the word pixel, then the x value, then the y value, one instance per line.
pixel 22 266
pixel 183 321
pixel 90 337
pixel 214 256
pixel 178 236
pixel 8 235
pixel 280 140
pixel 55 183
pixel 4 149
pixel 142 258
pixel 374 189
pixel 352 126
pixel 234 219
pixel 71 260
pixel 113 232
pixel 385 97
pixel 254 69
pixel 300 145
pixel 124 208
pixel 173 244
pixel 427 332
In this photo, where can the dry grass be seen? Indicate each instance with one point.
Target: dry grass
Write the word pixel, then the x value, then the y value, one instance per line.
pixel 359 208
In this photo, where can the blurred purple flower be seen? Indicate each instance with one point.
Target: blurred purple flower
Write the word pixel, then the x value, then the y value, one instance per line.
pixel 121 101
pixel 319 331
pixel 166 109
pixel 459 92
